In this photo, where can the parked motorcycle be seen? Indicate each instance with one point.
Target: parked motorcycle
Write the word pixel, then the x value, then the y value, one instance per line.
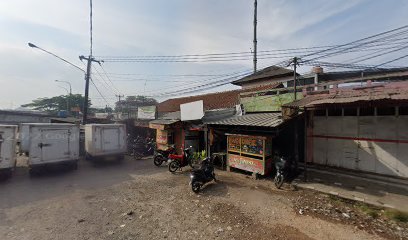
pixel 163 155
pixel 179 161
pixel 283 169
pixel 141 149
pixel 203 175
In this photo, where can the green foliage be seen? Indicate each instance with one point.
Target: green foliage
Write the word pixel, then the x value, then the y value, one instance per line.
pixel 200 155
pixel 396 215
pixel 54 104
pixel 132 102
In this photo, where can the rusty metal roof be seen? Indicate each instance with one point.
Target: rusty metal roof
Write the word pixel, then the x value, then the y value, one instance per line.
pixel 391 91
pixel 254 120
pixel 271 72
pixel 218 100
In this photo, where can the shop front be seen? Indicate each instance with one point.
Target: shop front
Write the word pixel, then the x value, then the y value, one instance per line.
pixel 168 132
pixel 250 153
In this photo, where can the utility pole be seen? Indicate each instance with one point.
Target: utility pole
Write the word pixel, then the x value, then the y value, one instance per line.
pixel 120 104
pixel 295 62
pixel 255 41
pixel 89 60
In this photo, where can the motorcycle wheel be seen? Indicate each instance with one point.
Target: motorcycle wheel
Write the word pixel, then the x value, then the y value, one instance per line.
pixel 195 186
pixel 158 161
pixel 173 166
pixel 279 181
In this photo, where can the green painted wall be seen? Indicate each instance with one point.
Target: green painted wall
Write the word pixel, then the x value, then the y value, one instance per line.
pixel 268 103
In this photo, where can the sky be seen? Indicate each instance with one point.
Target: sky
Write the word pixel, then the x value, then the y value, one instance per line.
pixel 165 27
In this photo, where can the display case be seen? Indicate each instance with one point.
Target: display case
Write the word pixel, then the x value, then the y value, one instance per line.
pixel 250 153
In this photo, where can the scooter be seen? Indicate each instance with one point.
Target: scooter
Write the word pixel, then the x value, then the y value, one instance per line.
pixel 282 170
pixel 179 161
pixel 205 174
pixel 141 150
pixel 163 155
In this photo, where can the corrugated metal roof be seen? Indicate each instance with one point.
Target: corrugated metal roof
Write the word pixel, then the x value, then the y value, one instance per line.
pixel 163 121
pixel 218 100
pixel 268 72
pixel 255 120
pixel 392 91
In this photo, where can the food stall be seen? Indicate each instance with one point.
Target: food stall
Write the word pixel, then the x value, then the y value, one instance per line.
pixel 250 153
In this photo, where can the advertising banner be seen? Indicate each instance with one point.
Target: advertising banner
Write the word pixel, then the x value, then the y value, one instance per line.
pixel 245 163
pixel 146 112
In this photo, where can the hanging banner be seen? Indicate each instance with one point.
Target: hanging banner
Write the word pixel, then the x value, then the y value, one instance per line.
pixel 146 112
pixel 192 110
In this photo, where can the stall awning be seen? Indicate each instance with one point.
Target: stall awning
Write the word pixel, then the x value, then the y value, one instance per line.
pixel 254 120
pixel 161 123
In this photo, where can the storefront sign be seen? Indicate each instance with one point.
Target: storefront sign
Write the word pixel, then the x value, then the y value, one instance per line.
pixel 146 112
pixel 192 111
pixel 156 126
pixel 161 137
pixel 245 163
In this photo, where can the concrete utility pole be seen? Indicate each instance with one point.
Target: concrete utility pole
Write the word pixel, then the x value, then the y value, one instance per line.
pixel 119 97
pixel 89 60
pixel 255 40
pixel 295 62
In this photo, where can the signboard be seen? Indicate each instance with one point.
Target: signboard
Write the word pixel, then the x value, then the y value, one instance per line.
pixel 192 110
pixel 246 163
pixel 146 112
pixel 161 137
pixel 156 126
pixel 268 102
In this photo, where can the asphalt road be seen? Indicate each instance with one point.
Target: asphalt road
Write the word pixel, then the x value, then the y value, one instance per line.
pixel 22 188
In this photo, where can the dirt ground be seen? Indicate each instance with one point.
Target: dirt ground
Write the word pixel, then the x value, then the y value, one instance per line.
pixel 161 205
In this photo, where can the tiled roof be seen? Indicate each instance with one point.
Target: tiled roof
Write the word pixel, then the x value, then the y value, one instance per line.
pixel 217 100
pixel 269 72
pixel 392 91
pixel 254 120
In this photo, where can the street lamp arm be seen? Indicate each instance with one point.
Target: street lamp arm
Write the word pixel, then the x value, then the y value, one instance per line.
pixel 35 46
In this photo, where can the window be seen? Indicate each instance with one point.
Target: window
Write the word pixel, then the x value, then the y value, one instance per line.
pixel 403 110
pixel 367 111
pixel 350 111
pixel 334 112
pixel 385 111
pixel 320 112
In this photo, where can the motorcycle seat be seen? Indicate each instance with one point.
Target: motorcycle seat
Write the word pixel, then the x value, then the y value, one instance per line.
pixel 175 156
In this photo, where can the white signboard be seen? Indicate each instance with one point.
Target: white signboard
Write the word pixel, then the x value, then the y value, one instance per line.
pixel 146 112
pixel 192 110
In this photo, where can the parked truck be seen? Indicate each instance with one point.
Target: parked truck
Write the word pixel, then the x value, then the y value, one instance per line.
pixel 8 139
pixel 105 141
pixel 50 144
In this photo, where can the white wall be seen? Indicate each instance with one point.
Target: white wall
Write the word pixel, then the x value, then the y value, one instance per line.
pixel 366 143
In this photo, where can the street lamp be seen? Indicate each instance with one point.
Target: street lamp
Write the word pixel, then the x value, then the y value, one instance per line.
pixel 70 95
pixel 77 67
pixel 67 98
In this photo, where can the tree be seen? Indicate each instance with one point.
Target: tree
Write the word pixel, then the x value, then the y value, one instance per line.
pixel 133 102
pixel 58 103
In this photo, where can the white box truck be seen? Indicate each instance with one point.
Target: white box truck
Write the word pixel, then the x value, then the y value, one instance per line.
pixel 107 141
pixel 52 143
pixel 8 139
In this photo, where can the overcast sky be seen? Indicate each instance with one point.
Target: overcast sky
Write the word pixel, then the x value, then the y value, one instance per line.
pixel 165 27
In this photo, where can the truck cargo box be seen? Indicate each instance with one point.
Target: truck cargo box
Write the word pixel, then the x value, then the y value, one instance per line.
pixel 51 143
pixel 8 134
pixel 105 140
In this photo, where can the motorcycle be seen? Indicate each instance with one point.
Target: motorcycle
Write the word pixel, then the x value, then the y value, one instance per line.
pixel 163 155
pixel 179 161
pixel 283 168
pixel 201 176
pixel 141 150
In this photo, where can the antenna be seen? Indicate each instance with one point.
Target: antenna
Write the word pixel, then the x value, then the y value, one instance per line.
pixel 255 41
